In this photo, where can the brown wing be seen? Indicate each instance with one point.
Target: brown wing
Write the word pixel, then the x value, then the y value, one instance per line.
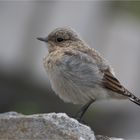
pixel 110 82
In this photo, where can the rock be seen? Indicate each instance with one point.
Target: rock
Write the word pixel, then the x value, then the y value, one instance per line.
pixel 50 126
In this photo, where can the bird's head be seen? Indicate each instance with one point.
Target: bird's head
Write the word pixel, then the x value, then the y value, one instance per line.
pixel 60 37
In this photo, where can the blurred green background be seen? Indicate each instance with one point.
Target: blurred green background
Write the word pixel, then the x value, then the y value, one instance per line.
pixel 111 27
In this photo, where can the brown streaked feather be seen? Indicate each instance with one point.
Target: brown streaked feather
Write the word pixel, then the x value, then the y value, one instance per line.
pixel 110 82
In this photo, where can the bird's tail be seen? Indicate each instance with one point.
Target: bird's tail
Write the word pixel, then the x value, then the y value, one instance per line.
pixel 133 98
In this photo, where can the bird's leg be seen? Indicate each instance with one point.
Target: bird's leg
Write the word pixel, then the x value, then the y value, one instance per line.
pixel 82 111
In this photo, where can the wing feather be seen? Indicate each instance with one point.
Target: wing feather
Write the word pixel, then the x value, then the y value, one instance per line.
pixel 112 83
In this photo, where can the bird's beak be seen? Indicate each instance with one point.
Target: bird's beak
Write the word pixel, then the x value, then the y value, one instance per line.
pixel 42 39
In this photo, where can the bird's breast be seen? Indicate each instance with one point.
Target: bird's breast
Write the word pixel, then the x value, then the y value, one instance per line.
pixel 72 80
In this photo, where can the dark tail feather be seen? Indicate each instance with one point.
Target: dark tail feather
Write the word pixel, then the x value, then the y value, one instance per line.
pixel 133 98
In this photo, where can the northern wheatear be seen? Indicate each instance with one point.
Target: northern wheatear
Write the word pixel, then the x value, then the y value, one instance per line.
pixel 78 73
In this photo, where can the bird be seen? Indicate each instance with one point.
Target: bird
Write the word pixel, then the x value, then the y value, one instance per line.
pixel 78 73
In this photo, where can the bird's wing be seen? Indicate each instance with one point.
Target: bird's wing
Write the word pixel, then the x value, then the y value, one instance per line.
pixel 91 69
pixel 112 83
pixel 84 71
pixel 109 81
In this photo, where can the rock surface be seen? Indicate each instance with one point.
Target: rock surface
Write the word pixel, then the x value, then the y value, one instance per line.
pixel 50 126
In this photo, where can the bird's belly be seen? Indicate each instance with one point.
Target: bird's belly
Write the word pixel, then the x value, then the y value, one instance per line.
pixel 70 91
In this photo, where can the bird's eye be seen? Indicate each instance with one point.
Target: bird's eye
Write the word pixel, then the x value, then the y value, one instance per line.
pixel 59 39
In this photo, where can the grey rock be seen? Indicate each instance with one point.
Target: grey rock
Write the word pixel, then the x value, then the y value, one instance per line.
pixel 50 126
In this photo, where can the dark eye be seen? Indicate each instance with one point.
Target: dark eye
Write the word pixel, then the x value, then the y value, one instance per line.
pixel 59 39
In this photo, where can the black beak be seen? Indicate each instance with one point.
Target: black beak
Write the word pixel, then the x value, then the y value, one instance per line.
pixel 42 39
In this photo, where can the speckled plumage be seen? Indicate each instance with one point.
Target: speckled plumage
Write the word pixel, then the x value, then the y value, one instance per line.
pixel 79 73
